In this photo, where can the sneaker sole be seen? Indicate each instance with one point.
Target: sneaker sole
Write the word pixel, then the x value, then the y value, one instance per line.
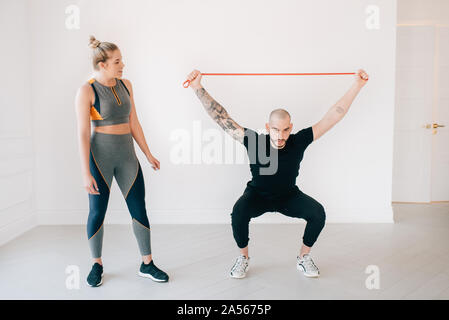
pixel 301 268
pixel 101 282
pixel 241 277
pixel 146 275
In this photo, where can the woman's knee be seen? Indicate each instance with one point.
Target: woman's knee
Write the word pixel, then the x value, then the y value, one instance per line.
pixel 141 216
pixel 94 221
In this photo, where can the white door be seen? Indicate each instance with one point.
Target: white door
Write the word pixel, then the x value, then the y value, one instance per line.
pixel 421 153
pixel 440 157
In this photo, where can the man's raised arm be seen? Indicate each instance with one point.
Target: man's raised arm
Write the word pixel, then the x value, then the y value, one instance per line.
pixel 338 111
pixel 214 109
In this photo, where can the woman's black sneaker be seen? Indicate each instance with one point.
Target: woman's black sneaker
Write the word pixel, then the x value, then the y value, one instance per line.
pixel 152 272
pixel 95 277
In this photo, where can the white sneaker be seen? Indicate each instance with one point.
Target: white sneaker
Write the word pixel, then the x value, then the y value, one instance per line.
pixel 240 267
pixel 306 265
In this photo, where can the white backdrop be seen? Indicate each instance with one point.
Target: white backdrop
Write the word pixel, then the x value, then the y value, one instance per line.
pixel 348 170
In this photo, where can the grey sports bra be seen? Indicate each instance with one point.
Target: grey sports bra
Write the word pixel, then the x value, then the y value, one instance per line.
pixel 112 104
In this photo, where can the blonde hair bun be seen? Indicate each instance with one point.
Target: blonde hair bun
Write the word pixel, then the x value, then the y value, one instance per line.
pixel 93 43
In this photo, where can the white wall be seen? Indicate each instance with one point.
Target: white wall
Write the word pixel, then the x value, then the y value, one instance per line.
pixel 348 170
pixel 16 143
pixel 423 12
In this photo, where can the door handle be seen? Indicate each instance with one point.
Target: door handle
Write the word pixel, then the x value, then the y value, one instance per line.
pixel 434 126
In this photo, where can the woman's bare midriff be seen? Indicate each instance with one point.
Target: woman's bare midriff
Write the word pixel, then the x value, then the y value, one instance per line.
pixel 122 128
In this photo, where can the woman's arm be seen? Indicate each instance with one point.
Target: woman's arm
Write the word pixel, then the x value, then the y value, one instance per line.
pixel 83 102
pixel 136 129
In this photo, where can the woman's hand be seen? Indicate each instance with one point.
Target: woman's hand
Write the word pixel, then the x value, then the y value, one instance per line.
pixel 154 162
pixel 90 184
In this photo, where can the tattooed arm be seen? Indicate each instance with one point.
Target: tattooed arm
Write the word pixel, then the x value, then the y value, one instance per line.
pixel 338 111
pixel 220 115
pixel 214 109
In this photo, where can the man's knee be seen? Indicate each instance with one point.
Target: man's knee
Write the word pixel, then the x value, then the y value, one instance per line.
pixel 239 218
pixel 319 217
pixel 241 211
pixel 316 215
pixel 321 213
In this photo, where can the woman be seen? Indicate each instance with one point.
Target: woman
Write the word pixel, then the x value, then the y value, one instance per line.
pixel 107 101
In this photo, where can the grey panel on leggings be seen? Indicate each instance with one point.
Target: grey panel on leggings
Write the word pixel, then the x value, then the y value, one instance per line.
pixel 96 243
pixel 126 173
pixel 102 156
pixel 142 234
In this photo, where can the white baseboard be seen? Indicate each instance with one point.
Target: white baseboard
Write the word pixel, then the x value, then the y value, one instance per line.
pixel 18 227
pixel 215 216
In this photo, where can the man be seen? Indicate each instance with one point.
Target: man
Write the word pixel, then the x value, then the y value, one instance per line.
pixel 274 162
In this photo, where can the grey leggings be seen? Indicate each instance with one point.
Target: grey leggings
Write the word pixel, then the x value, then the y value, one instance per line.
pixel 113 155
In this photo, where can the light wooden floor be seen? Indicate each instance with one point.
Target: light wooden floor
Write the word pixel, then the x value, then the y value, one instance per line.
pixel 412 256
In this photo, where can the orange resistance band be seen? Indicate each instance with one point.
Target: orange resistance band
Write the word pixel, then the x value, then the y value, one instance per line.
pixel 187 82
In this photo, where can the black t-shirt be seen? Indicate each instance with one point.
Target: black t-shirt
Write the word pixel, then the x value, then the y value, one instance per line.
pixel 274 171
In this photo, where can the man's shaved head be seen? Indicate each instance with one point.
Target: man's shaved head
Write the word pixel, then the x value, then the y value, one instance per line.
pixel 279 114
pixel 279 127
